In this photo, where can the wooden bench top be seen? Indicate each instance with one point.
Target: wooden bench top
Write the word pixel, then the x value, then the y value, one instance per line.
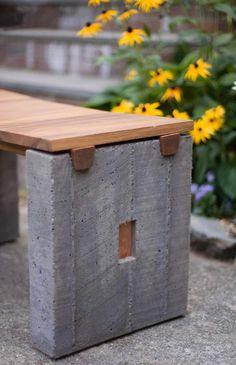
pixel 30 123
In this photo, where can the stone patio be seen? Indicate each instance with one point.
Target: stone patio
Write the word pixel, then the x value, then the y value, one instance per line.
pixel 207 335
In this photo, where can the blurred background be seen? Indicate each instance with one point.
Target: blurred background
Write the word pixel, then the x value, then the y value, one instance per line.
pixel 41 54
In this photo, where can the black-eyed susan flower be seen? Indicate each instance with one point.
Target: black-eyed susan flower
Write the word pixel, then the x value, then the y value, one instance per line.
pixel 125 106
pixel 131 75
pixel 220 111
pixel 127 14
pixel 148 109
pixel 131 37
pixel 160 77
pixel 97 2
pixel 214 117
pixel 173 92
pixel 106 15
pixel 198 69
pixel 148 5
pixel 201 131
pixel 90 30
pixel 181 115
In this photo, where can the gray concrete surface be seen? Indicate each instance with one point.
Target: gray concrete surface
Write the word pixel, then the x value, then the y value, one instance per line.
pixel 207 335
pixel 81 294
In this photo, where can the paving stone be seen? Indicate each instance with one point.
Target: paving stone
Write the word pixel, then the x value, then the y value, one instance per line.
pixel 212 238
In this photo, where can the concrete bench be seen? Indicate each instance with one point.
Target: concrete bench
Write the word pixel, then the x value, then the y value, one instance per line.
pixel 108 207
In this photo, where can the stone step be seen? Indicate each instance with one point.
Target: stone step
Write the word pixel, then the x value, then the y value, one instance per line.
pixel 62 52
pixel 42 2
pixel 69 36
pixel 55 86
pixel 71 14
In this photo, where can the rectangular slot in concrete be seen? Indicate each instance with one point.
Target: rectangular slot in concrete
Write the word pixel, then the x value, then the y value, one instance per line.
pixel 126 240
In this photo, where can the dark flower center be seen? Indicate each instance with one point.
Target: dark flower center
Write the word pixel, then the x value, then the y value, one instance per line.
pixel 88 24
pixel 104 11
pixel 199 129
pixel 173 87
pixel 158 73
pixel 212 120
pixel 129 29
pixel 144 109
pixel 196 65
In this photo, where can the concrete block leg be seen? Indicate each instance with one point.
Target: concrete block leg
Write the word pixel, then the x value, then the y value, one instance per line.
pixel 8 197
pixel 82 292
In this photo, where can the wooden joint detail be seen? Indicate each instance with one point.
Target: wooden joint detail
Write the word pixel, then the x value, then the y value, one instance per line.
pixel 82 158
pixel 169 144
pixel 126 240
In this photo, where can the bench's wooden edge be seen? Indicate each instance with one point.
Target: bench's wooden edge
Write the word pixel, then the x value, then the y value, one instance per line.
pixel 54 146
pixel 10 147
pixel 44 145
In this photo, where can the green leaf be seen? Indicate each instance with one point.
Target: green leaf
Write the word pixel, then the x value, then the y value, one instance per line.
pixel 222 39
pixel 228 79
pixel 181 20
pixel 231 136
pixel 195 36
pixel 201 163
pixel 226 176
pixel 189 58
pixel 198 111
pixel 227 9
pixel 147 30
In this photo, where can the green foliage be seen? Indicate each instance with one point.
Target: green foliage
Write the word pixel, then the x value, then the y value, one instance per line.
pixel 206 206
pixel 218 155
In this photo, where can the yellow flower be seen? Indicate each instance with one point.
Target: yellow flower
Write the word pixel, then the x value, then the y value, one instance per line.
pixel 148 109
pixel 125 106
pixel 89 30
pixel 131 36
pixel 214 117
pixel 131 75
pixel 220 111
pixel 201 131
pixel 160 77
pixel 199 68
pixel 148 5
pixel 181 115
pixel 173 92
pixel 127 14
pixel 97 2
pixel 106 15
pixel 127 2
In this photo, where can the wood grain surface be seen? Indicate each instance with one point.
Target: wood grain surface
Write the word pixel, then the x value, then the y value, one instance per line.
pixel 49 126
pixel 125 239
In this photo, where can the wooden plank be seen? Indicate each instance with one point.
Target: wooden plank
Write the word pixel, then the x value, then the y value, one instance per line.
pixel 9 147
pixel 54 127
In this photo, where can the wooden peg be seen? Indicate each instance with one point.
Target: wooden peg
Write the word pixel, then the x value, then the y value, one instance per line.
pixel 126 240
pixel 169 144
pixel 82 158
